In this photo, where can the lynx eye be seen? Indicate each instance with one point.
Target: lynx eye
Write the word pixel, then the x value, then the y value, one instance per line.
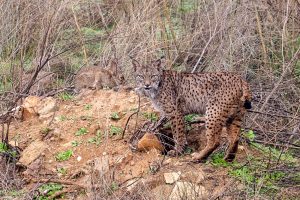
pixel 140 77
pixel 154 77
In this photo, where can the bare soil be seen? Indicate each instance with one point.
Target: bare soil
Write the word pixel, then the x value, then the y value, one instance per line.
pixel 92 110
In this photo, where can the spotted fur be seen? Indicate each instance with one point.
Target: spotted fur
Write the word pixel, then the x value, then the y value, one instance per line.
pixel 223 97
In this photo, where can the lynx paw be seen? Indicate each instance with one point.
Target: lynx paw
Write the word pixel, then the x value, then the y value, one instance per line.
pixel 176 152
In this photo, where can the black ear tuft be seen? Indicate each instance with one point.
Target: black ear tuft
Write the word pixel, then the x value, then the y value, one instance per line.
pixel 135 64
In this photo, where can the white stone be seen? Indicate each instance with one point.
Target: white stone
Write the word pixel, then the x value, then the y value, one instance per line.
pixel 79 158
pixel 172 177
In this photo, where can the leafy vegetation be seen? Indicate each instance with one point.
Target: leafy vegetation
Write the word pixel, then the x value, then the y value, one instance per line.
pixel 65 96
pixel 5 149
pixel 115 130
pixel 150 116
pixel 63 156
pixel 45 131
pixel 88 107
pixel 97 139
pixel 115 116
pixel 62 171
pixel 81 131
pixel 256 171
pixel 75 143
pixel 47 190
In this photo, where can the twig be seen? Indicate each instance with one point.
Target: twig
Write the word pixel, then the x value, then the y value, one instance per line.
pixel 275 144
pixel 123 133
pixel 274 115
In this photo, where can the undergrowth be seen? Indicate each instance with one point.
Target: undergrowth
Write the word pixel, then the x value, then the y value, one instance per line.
pixel 262 173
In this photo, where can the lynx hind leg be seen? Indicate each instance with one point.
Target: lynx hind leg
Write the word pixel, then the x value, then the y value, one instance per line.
pixel 233 132
pixel 214 125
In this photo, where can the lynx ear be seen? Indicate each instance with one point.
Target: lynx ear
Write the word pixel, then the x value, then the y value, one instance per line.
pixel 135 64
pixel 114 66
pixel 159 64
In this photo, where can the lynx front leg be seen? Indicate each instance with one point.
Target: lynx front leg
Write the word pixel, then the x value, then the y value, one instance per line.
pixel 179 135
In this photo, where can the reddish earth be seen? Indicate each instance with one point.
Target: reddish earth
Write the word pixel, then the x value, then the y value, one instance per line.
pixel 93 111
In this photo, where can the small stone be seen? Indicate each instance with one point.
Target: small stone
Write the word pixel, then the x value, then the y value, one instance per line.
pixel 50 161
pixel 104 153
pixel 172 177
pixel 79 158
pixel 132 163
pixel 241 148
pixel 13 143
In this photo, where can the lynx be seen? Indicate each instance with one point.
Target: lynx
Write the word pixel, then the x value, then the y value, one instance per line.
pixel 223 97
pixel 96 77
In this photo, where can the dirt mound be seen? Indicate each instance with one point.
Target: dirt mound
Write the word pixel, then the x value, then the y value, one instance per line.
pixel 83 141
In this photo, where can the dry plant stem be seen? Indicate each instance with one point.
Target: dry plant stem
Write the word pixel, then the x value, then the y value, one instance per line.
pixel 137 112
pixel 80 35
pixel 274 115
pixel 285 71
pixel 259 28
pixel 212 35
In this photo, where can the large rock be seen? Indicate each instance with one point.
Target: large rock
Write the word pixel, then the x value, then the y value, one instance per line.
pixel 187 190
pixel 30 107
pixel 149 141
pixel 34 106
pixel 46 106
pixel 32 152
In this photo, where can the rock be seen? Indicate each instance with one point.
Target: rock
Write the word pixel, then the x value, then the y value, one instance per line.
pixel 162 191
pixel 34 168
pixel 172 177
pixel 195 176
pixel 30 107
pixel 46 107
pixel 187 190
pixel 36 106
pixel 149 141
pixel 32 152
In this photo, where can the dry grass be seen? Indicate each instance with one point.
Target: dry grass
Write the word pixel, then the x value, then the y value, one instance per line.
pixel 257 39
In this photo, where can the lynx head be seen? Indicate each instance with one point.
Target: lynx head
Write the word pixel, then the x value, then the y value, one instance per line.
pixel 148 77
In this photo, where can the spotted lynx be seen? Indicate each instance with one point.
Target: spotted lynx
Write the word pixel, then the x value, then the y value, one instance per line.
pixel 223 97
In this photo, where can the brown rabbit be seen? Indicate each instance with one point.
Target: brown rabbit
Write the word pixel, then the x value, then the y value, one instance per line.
pixel 96 77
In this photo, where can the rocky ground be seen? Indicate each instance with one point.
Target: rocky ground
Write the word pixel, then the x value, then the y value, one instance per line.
pixel 75 143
